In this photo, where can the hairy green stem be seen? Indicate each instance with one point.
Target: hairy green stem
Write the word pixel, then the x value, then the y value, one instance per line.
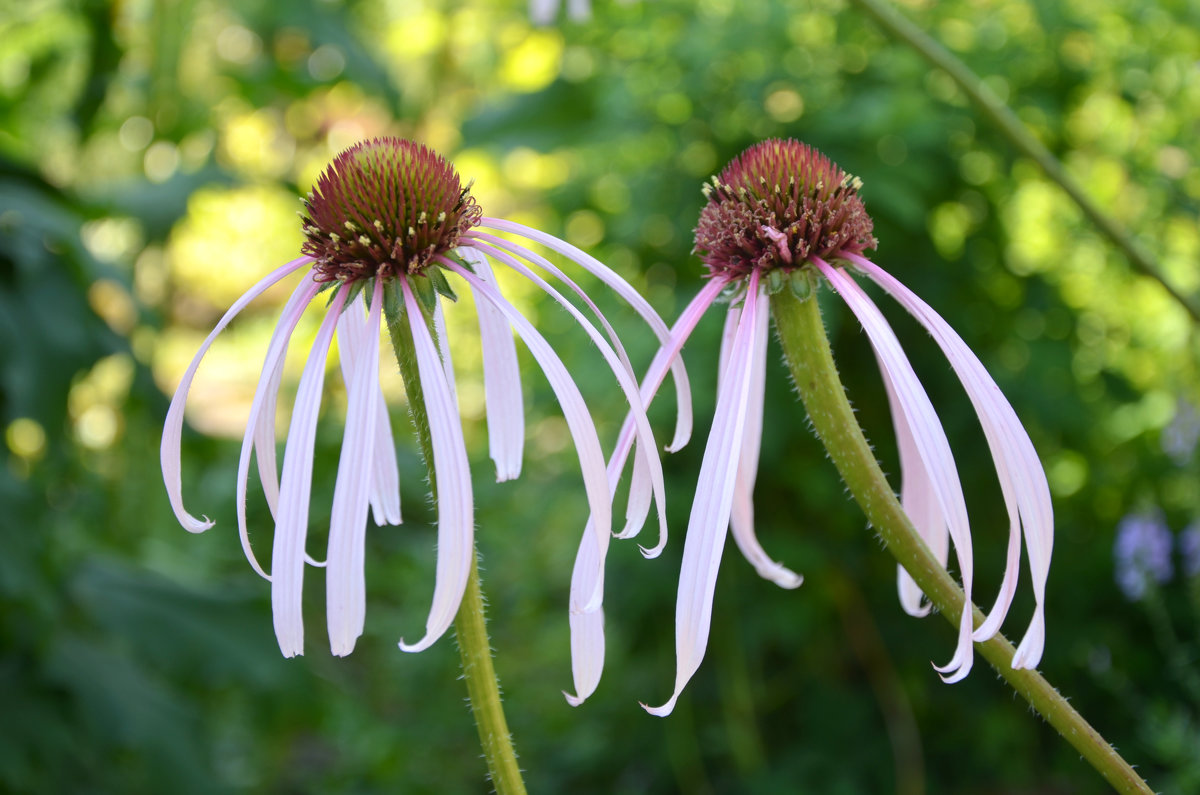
pixel 1011 128
pixel 806 348
pixel 470 625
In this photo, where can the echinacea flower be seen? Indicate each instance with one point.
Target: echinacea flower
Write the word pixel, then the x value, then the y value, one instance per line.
pixel 782 216
pixel 387 222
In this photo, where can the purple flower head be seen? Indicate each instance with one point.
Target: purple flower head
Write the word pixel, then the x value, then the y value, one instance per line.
pixel 386 206
pixel 1189 549
pixel 783 215
pixel 776 205
pixel 1142 553
pixel 390 218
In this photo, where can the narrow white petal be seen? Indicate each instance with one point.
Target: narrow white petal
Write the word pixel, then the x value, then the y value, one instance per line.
pixel 919 501
pixel 355 333
pixel 929 438
pixel 441 338
pixel 262 413
pixel 169 451
pixel 483 242
pixel 650 465
pixel 345 578
pixel 741 516
pixel 663 360
pixel 1022 479
pixel 587 626
pixel 385 475
pixel 452 476
pixel 709 520
pixel 683 424
pixel 501 378
pixel 291 521
pixel 575 411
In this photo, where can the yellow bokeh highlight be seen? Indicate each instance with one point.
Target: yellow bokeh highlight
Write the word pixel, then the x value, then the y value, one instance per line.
pixel 230 239
pixel 534 62
pixel 525 168
pixel 26 438
pixel 112 302
pixel 94 401
pixel 258 143
pixel 417 35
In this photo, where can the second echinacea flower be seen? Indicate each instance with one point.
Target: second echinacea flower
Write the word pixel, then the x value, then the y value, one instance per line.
pixel 781 216
pixel 386 223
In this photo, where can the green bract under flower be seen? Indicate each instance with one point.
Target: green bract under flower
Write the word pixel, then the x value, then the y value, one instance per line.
pixel 385 207
pixel 777 204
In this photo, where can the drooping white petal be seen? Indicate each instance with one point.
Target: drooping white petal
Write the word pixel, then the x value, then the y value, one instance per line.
pixel 920 504
pixel 345 578
pixel 741 516
pixel 1022 479
pixel 169 450
pixel 291 520
pixel 587 626
pixel 490 243
pixel 355 334
pixel 664 360
pixel 683 393
pixel 575 411
pixel 262 413
pixel 651 465
pixel 641 490
pixel 501 378
pixel 714 499
pixel 441 338
pixel 930 440
pixel 452 476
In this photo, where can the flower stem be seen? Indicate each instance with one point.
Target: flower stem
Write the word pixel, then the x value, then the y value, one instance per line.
pixel 1011 128
pixel 806 348
pixel 470 625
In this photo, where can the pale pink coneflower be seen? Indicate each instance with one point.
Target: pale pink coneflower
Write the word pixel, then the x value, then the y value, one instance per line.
pixel 782 215
pixel 387 222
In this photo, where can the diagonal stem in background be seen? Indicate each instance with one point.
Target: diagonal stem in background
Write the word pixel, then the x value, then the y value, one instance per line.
pixel 1011 128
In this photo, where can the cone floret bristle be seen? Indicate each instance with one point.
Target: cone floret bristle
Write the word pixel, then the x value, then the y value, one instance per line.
pixel 380 192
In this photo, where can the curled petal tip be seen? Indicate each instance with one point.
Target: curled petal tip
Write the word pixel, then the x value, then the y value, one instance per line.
pixel 194 525
pixel 574 701
pixel 664 710
pixel 783 577
pixel 954 671
pixel 649 553
pixel 421 645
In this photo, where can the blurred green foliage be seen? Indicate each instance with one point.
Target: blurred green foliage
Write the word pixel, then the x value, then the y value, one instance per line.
pixel 150 156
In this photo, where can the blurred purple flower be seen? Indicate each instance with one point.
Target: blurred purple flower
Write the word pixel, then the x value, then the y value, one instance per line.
pixel 1180 436
pixel 1142 553
pixel 1189 549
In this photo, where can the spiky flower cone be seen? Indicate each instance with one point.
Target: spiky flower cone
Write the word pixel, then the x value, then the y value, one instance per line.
pixel 385 207
pixel 777 204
